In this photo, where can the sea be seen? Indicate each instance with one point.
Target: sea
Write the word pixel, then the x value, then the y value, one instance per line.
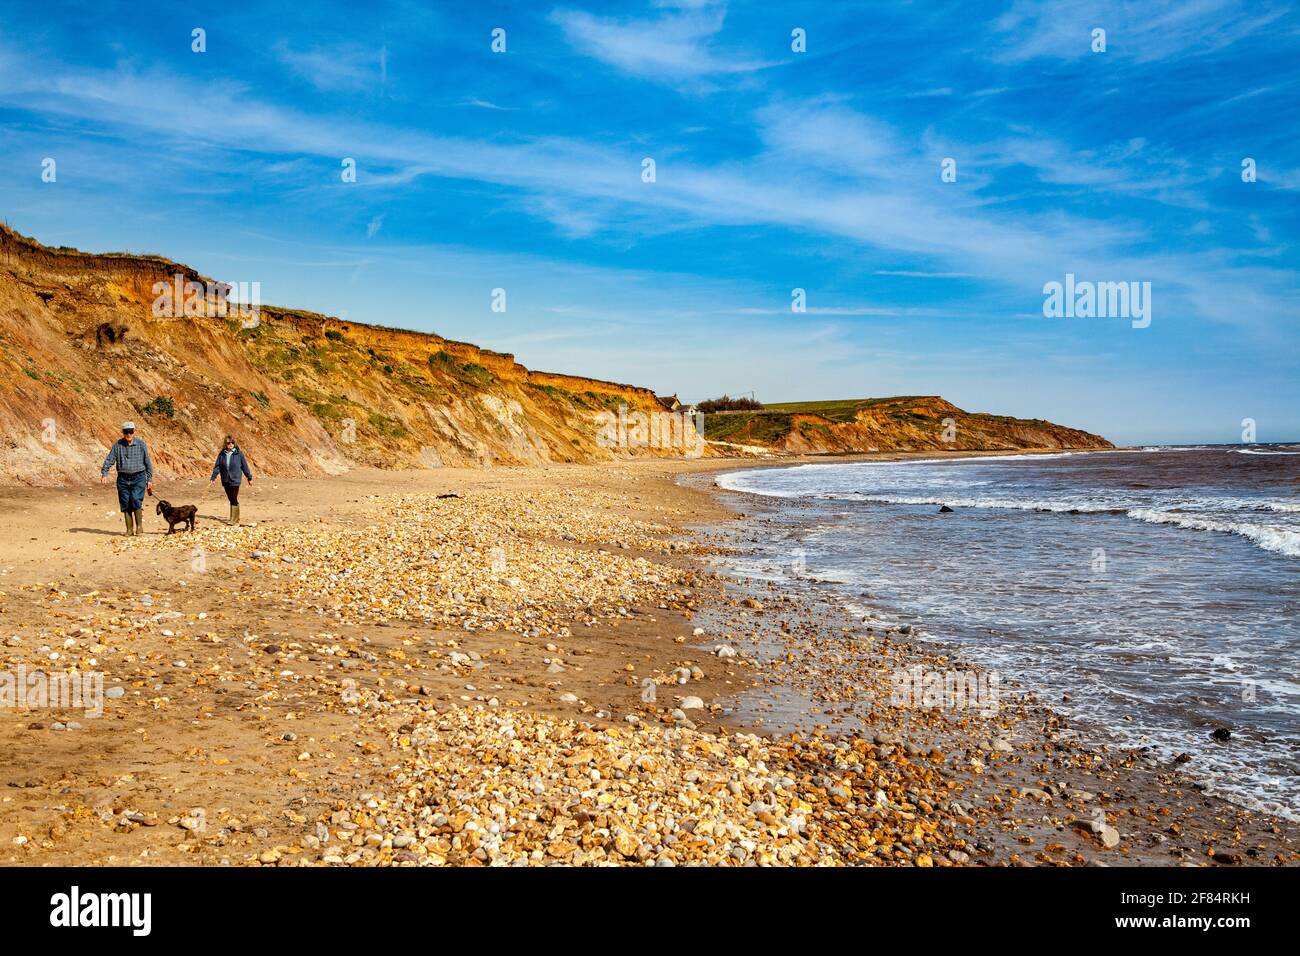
pixel 1152 594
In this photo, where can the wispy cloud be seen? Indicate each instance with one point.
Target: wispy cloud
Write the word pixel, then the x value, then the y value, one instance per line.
pixel 824 170
pixel 866 311
pixel 677 44
pixel 911 274
pixel 775 170
pixel 1138 30
pixel 487 105
pixel 336 68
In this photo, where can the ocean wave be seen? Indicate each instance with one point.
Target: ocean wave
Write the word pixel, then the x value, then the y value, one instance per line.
pixel 1281 540
pixel 726 483
pixel 1259 451
pixel 1269 537
pixel 1063 506
pixel 735 480
pixel 1040 456
pixel 1268 522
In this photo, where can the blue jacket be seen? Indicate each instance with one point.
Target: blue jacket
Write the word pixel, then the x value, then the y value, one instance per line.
pixel 232 472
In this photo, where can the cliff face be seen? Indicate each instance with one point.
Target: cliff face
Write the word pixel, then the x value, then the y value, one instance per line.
pixel 888 424
pixel 81 349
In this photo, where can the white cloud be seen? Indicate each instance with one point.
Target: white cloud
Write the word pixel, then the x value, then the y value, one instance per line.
pixel 336 68
pixel 1140 30
pixel 824 170
pixel 911 274
pixel 678 44
pixel 487 104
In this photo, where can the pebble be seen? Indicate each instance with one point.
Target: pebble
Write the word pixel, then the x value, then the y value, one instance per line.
pixel 565 792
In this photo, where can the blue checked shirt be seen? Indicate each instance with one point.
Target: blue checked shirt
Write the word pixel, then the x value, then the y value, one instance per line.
pixel 130 459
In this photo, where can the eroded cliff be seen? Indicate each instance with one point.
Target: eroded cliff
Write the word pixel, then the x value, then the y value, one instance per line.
pixel 82 348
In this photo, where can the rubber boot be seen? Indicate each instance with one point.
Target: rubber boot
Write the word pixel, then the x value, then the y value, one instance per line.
pixel 234 514
pixel 139 521
pixel 130 522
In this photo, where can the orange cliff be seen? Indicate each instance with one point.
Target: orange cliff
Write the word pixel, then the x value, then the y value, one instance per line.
pixel 306 394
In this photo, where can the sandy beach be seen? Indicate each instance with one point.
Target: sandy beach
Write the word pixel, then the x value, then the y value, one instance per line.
pixel 531 665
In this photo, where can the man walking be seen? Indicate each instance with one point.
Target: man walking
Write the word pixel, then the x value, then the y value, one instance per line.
pixel 134 476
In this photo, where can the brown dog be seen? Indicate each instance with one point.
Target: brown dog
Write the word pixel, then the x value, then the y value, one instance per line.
pixel 174 516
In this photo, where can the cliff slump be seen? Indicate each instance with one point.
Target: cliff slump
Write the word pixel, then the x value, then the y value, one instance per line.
pixel 915 423
pixel 306 394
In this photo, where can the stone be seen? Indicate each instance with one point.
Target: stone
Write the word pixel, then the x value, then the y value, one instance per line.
pixel 625 844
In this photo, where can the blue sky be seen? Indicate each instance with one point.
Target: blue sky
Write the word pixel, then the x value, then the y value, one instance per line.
pixel 775 170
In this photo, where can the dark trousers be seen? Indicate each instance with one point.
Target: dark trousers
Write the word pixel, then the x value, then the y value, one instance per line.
pixel 130 491
pixel 232 493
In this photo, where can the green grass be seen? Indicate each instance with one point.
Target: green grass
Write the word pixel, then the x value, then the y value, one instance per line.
pixel 820 428
pixel 558 394
pixel 774 422
pixel 330 413
pixel 762 428
pixel 603 400
pixel 470 373
pixel 160 405
pixel 837 410
pixel 477 374
pixel 388 427
pixel 586 401
pixel 278 358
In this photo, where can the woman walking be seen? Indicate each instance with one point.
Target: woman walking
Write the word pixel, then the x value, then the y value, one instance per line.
pixel 232 467
pixel 134 476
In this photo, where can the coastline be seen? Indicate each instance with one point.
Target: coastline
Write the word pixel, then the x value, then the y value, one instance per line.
pixel 261 731
pixel 1059 756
